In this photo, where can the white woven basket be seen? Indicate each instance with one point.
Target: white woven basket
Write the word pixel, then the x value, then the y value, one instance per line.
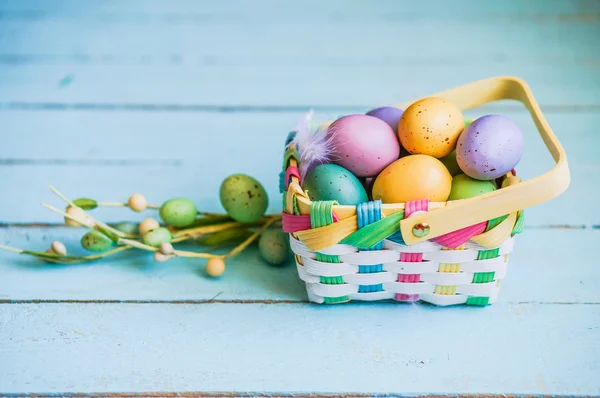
pixel 442 253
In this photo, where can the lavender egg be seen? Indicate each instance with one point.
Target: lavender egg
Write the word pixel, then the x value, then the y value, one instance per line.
pixel 363 144
pixel 388 114
pixel 490 147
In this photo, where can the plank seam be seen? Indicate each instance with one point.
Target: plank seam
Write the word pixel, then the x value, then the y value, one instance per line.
pixel 5 225
pixel 189 302
pixel 156 107
pixel 240 301
pixel 90 162
pixel 271 395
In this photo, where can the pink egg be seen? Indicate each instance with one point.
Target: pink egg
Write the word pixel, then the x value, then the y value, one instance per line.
pixel 363 144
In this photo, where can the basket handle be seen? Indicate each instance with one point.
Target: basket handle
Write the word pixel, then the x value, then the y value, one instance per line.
pixel 507 200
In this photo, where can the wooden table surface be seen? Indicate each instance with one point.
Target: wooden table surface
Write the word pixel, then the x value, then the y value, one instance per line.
pixel 107 98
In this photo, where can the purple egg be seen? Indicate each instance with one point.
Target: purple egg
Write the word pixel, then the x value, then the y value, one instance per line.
pixel 490 147
pixel 388 114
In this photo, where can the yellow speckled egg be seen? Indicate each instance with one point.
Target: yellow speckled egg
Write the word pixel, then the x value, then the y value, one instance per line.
pixel 431 126
pixel 413 177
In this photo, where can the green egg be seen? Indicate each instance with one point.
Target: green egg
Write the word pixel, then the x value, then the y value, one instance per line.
pixel 96 241
pixel 157 237
pixel 333 182
pixel 274 246
pixel 244 198
pixel 451 164
pixel 127 227
pixel 178 212
pixel 464 187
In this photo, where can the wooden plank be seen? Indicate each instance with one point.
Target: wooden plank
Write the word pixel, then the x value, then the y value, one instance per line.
pixel 540 271
pixel 96 136
pixel 222 56
pixel 177 11
pixel 504 349
pixel 302 29
pixel 109 155
pixel 273 84
pixel 272 54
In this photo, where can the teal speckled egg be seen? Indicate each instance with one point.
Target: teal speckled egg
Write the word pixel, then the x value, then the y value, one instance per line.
pixel 178 212
pixel 464 187
pixel 333 182
pixel 274 246
pixel 244 198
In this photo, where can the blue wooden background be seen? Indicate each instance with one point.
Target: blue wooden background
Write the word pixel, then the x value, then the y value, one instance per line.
pixel 167 98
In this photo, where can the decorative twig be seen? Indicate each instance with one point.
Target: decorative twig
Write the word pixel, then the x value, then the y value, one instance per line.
pixel 112 204
pixel 91 223
pixel 209 229
pixel 63 197
pixel 179 215
pixel 62 259
pixel 86 223
pixel 11 249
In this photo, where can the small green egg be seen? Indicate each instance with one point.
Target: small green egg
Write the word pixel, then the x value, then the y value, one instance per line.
pixel 451 164
pixel 157 237
pixel 244 198
pixel 274 246
pixel 333 182
pixel 96 241
pixel 127 227
pixel 464 187
pixel 179 212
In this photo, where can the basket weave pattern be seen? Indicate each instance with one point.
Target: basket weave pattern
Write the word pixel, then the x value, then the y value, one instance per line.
pixel 369 260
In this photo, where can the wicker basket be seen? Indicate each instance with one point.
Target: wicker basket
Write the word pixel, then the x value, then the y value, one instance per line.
pixel 442 253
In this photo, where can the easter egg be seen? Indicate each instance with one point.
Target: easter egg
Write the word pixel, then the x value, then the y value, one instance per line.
pixel 179 212
pixel 451 164
pixel 96 241
pixel 464 187
pixel 413 177
pixel 215 267
pixel 363 144
pixel 78 214
pixel 431 126
pixel 157 237
pixel 333 182
pixel 490 147
pixel 147 225
pixel 388 114
pixel 274 246
pixel 244 198
pixel 59 248
pixel 127 227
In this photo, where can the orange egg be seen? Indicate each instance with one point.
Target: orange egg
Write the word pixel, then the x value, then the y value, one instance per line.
pixel 431 126
pixel 413 177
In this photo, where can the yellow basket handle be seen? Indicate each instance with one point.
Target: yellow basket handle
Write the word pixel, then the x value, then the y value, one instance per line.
pixel 507 200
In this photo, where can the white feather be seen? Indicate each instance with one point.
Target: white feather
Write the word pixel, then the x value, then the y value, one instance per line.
pixel 314 144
